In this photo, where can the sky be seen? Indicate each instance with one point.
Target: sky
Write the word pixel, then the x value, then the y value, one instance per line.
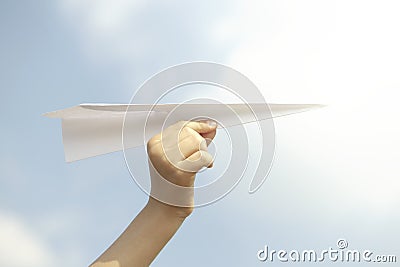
pixel 335 173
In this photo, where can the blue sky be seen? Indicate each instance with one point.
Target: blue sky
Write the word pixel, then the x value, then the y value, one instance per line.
pixel 335 174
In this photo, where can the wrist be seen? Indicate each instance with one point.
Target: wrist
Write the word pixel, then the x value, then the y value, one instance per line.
pixel 167 211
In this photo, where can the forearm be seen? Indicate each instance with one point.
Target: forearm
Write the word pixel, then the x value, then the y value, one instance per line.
pixel 144 238
pixel 154 226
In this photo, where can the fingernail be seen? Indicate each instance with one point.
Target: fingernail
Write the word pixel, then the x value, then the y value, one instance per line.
pixel 212 124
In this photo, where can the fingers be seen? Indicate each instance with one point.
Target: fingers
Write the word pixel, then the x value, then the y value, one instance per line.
pixel 192 144
pixel 178 148
pixel 196 161
pixel 202 127
pixel 186 140
pixel 189 139
pixel 209 136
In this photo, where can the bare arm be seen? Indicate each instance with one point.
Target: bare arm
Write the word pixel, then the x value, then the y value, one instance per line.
pixel 155 225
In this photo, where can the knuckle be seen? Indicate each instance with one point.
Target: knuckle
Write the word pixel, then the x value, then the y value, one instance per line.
pixel 194 142
pixel 153 141
pixel 186 130
pixel 153 152
pixel 196 138
pixel 153 147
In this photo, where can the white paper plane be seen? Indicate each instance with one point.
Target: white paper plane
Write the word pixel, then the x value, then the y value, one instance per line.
pixel 94 129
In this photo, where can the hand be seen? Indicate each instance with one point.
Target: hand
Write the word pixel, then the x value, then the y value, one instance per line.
pixel 175 156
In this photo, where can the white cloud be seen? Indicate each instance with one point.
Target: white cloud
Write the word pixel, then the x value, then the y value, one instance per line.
pixel 20 246
pixel 105 28
pixel 327 51
pixel 340 53
pixel 102 16
pixel 137 36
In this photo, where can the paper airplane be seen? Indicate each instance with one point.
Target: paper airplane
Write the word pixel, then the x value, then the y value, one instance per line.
pixel 94 129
